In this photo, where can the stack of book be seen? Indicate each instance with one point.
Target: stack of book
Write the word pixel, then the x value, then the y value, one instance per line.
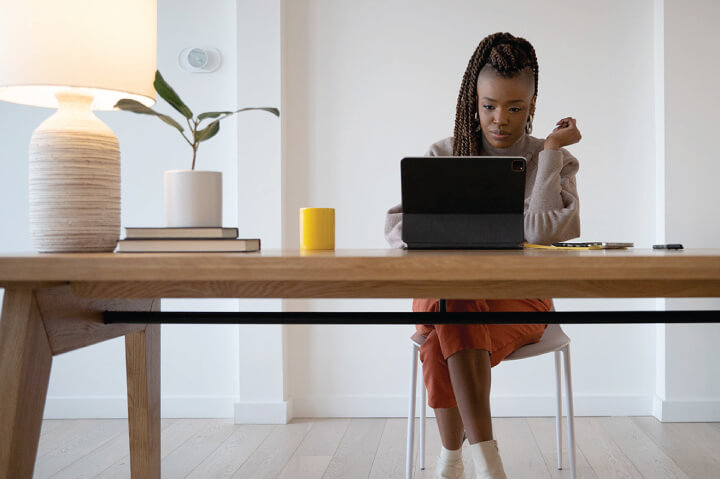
pixel 185 240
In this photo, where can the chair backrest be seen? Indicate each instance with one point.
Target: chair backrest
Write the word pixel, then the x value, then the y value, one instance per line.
pixel 418 339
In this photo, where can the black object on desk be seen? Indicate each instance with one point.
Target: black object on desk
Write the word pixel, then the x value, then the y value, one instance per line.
pixel 668 246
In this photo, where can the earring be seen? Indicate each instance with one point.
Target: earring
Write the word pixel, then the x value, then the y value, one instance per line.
pixel 477 118
pixel 528 125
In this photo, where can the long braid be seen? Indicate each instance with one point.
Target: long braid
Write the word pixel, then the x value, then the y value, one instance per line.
pixel 509 55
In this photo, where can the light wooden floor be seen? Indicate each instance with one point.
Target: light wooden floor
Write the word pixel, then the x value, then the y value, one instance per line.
pixel 608 447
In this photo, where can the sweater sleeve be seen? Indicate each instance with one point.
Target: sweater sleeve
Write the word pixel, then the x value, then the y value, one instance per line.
pixel 553 210
pixel 393 227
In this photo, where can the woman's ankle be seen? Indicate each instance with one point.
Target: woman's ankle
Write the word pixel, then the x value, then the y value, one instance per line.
pixel 452 446
pixel 450 455
pixel 486 458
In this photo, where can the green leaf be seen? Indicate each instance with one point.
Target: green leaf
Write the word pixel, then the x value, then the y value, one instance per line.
pixel 213 114
pixel 170 96
pixel 208 132
pixel 137 107
pixel 225 114
pixel 133 106
pixel 274 111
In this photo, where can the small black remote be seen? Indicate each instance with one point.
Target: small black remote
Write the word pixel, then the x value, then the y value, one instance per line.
pixel 668 246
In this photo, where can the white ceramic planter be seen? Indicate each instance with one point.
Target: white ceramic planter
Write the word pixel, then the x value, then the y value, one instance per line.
pixel 193 198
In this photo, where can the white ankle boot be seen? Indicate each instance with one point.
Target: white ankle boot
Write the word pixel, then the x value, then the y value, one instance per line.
pixel 449 465
pixel 486 459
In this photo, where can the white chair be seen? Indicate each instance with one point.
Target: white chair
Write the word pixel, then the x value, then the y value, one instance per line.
pixel 553 340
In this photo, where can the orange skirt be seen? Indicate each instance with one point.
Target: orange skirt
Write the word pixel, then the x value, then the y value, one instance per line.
pixel 444 340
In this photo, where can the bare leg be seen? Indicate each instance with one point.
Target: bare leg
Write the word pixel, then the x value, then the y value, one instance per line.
pixel 451 427
pixel 470 377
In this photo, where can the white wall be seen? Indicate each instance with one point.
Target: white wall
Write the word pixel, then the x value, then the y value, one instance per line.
pixel 690 386
pixel 262 361
pixel 370 82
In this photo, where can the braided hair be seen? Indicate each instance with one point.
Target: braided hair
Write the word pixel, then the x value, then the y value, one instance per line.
pixel 509 55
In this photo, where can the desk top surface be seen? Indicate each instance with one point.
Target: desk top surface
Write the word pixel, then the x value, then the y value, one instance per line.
pixel 366 265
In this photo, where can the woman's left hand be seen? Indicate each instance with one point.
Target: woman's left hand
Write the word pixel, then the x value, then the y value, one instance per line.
pixel 565 133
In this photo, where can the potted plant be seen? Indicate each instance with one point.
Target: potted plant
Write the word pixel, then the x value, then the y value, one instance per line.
pixel 192 197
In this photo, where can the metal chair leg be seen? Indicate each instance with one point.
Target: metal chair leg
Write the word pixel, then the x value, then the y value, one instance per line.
pixel 423 403
pixel 570 411
pixel 411 415
pixel 558 410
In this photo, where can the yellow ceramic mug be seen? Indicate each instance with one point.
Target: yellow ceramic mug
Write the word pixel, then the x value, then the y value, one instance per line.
pixel 317 228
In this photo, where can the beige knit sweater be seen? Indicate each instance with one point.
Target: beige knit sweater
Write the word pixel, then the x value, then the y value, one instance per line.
pixel 552 209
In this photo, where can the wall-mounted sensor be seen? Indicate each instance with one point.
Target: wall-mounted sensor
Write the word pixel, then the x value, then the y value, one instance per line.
pixel 200 59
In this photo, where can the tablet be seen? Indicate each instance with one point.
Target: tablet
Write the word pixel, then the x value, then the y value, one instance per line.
pixel 463 202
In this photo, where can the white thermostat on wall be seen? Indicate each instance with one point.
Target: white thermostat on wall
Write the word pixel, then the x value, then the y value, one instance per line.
pixel 200 59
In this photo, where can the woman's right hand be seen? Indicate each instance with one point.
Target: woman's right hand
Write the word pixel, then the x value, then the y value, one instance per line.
pixel 565 133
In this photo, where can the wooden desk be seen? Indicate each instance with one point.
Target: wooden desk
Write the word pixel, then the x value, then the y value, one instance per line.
pixel 53 304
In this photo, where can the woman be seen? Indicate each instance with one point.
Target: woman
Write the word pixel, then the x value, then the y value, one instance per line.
pixel 494 116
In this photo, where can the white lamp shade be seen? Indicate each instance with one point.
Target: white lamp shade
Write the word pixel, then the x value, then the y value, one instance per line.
pixel 107 47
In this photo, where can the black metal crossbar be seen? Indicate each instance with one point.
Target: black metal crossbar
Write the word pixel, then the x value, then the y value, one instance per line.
pixel 442 317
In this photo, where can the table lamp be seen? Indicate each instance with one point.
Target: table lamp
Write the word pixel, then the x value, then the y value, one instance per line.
pixel 76 56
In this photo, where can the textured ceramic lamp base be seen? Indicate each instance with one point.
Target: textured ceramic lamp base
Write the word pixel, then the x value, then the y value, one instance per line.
pixel 74 181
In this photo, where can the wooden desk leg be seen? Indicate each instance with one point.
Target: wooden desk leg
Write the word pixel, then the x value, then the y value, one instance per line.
pixel 25 359
pixel 142 355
